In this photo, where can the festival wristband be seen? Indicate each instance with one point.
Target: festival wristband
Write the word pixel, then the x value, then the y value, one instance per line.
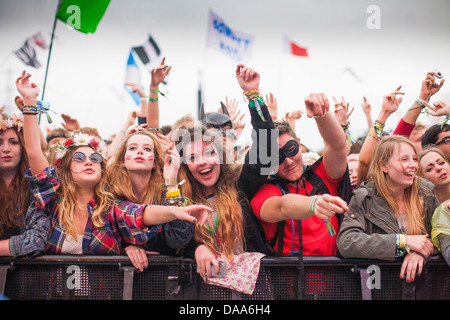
pixel 330 228
pixel 173 194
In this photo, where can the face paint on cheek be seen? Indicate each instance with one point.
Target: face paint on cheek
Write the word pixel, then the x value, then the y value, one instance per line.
pixel 150 158
pixel 127 157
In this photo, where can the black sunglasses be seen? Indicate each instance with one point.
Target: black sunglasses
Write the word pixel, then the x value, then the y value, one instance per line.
pixel 81 157
pixel 446 140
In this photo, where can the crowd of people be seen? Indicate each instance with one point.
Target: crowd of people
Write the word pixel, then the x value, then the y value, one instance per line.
pixel 188 190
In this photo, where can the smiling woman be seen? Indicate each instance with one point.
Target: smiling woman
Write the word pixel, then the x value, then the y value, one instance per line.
pixel 85 216
pixel 434 167
pixel 390 214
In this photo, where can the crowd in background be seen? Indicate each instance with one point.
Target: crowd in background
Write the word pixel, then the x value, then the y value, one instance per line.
pixel 188 190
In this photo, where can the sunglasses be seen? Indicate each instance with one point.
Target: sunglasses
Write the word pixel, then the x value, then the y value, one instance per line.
pixel 81 157
pixel 446 140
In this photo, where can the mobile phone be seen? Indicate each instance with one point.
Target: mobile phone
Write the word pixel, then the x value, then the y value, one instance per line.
pixel 222 270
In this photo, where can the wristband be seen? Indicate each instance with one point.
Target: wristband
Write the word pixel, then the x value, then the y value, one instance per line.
pixel 378 126
pixel 173 194
pixel 171 182
pixel 420 102
pixel 443 122
pixel 154 91
pixel 313 202
pixel 153 99
pixel 32 109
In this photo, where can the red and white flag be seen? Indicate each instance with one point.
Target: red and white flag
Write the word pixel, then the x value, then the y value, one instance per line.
pixel 292 48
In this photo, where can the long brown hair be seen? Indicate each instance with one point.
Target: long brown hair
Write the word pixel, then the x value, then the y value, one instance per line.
pixel 15 198
pixel 229 236
pixel 67 195
pixel 414 203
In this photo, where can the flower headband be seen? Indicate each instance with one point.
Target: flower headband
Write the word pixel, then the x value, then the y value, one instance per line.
pixel 9 123
pixel 78 140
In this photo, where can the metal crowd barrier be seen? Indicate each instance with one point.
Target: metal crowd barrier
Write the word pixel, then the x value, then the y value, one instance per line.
pixel 84 277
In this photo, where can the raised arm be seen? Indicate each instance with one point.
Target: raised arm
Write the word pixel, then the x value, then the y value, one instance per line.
pixel 390 104
pixel 334 151
pixel 259 158
pixel 427 90
pixel 158 76
pixel 31 130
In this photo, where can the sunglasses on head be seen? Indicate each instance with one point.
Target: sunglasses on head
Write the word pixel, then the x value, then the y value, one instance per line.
pixel 81 157
pixel 446 140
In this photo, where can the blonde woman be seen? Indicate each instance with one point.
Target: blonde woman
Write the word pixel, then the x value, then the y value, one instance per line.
pixel 86 218
pixel 390 214
pixel 435 168
pixel 138 173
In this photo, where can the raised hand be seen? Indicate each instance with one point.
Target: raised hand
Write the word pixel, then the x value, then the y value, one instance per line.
pixel 391 102
pixel 341 110
pixel 439 108
pixel 247 78
pixel 428 86
pixel 317 105
pixel 136 87
pixel 27 89
pixel 70 123
pixel 272 105
pixel 159 74
pixel 171 163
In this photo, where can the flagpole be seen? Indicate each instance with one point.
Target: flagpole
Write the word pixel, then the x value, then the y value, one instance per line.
pixel 50 50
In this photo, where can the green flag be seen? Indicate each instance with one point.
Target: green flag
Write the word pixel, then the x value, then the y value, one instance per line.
pixel 82 15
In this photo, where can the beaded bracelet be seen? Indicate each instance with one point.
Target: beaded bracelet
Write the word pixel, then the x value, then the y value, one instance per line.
pixel 350 138
pixel 378 126
pixel 30 110
pixel 255 100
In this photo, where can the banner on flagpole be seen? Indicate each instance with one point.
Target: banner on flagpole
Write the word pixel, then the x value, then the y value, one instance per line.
pixel 292 48
pixel 82 15
pixel 133 75
pixel 235 44
pixel 27 52
pixel 149 54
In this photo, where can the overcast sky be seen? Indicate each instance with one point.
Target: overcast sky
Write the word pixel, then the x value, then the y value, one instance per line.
pixel 86 72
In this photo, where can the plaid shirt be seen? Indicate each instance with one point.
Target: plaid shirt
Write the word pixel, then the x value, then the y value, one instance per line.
pixel 123 220
pixel 33 235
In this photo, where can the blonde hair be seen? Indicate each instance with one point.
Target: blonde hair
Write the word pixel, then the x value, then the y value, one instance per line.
pixel 414 204
pixel 120 182
pixel 229 237
pixel 67 196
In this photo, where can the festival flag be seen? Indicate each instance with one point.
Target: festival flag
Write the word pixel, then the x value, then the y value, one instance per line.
pixel 133 75
pixel 82 15
pixel 149 54
pixel 235 44
pixel 38 40
pixel 294 49
pixel 28 55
